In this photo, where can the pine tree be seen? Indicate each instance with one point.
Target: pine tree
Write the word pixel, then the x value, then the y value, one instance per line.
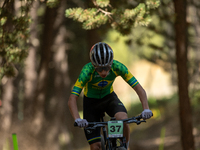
pixel 122 18
pixel 14 34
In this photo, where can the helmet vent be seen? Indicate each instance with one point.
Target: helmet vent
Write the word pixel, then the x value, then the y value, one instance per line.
pixel 101 55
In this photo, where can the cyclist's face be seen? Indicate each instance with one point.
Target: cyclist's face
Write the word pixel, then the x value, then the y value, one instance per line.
pixel 103 72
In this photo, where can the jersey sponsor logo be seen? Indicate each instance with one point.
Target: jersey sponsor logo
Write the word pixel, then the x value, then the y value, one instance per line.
pixel 121 104
pixel 96 88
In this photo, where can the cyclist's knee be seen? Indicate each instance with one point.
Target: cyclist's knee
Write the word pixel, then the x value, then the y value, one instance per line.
pixel 126 126
pixel 121 115
pixel 95 146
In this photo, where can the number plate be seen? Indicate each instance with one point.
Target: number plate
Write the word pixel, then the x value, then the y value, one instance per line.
pixel 115 129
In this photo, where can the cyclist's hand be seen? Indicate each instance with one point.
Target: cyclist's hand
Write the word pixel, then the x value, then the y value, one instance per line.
pixel 81 122
pixel 147 113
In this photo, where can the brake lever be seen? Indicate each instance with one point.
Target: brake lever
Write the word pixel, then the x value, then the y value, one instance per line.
pixel 90 128
pixel 131 121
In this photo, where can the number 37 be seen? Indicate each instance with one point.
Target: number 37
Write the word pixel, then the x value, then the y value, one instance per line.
pixel 114 128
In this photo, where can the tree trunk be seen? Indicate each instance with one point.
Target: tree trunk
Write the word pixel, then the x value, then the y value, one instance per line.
pixel 58 122
pixel 7 97
pixel 46 54
pixel 30 72
pixel 187 139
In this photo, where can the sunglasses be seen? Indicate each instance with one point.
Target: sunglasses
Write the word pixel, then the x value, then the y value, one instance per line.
pixel 100 69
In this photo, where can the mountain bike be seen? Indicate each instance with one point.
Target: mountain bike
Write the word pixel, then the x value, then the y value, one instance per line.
pixel 112 132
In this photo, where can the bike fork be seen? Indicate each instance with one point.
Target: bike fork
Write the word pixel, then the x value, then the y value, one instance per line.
pixel 124 142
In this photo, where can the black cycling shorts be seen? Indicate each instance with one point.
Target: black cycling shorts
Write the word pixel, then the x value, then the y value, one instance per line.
pixel 94 108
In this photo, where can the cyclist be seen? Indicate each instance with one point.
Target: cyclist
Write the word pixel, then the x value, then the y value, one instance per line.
pixel 97 79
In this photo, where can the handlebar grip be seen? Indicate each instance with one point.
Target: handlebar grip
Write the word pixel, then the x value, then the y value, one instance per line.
pixel 140 117
pixel 75 124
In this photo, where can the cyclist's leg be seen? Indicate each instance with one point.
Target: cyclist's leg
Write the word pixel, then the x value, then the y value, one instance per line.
pixel 120 116
pixel 95 146
pixel 92 114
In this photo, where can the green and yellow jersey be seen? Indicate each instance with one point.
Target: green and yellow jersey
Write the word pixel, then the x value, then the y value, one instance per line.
pixel 98 87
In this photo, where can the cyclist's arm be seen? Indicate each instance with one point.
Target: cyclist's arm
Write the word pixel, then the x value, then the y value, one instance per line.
pixel 142 95
pixel 72 103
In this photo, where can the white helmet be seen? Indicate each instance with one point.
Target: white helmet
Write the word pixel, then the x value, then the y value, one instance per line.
pixel 101 55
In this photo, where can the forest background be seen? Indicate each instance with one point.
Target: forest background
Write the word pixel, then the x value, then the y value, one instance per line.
pixel 42 52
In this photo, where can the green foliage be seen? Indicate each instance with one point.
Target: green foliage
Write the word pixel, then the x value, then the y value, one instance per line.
pixel 152 4
pixel 162 137
pixel 52 3
pixel 121 19
pixel 102 3
pixel 119 46
pixel 90 17
pixel 14 32
pixel 195 95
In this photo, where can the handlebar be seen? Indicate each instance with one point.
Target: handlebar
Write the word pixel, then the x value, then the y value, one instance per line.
pixel 94 125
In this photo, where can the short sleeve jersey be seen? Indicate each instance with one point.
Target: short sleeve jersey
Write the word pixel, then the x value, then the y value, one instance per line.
pixel 97 87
